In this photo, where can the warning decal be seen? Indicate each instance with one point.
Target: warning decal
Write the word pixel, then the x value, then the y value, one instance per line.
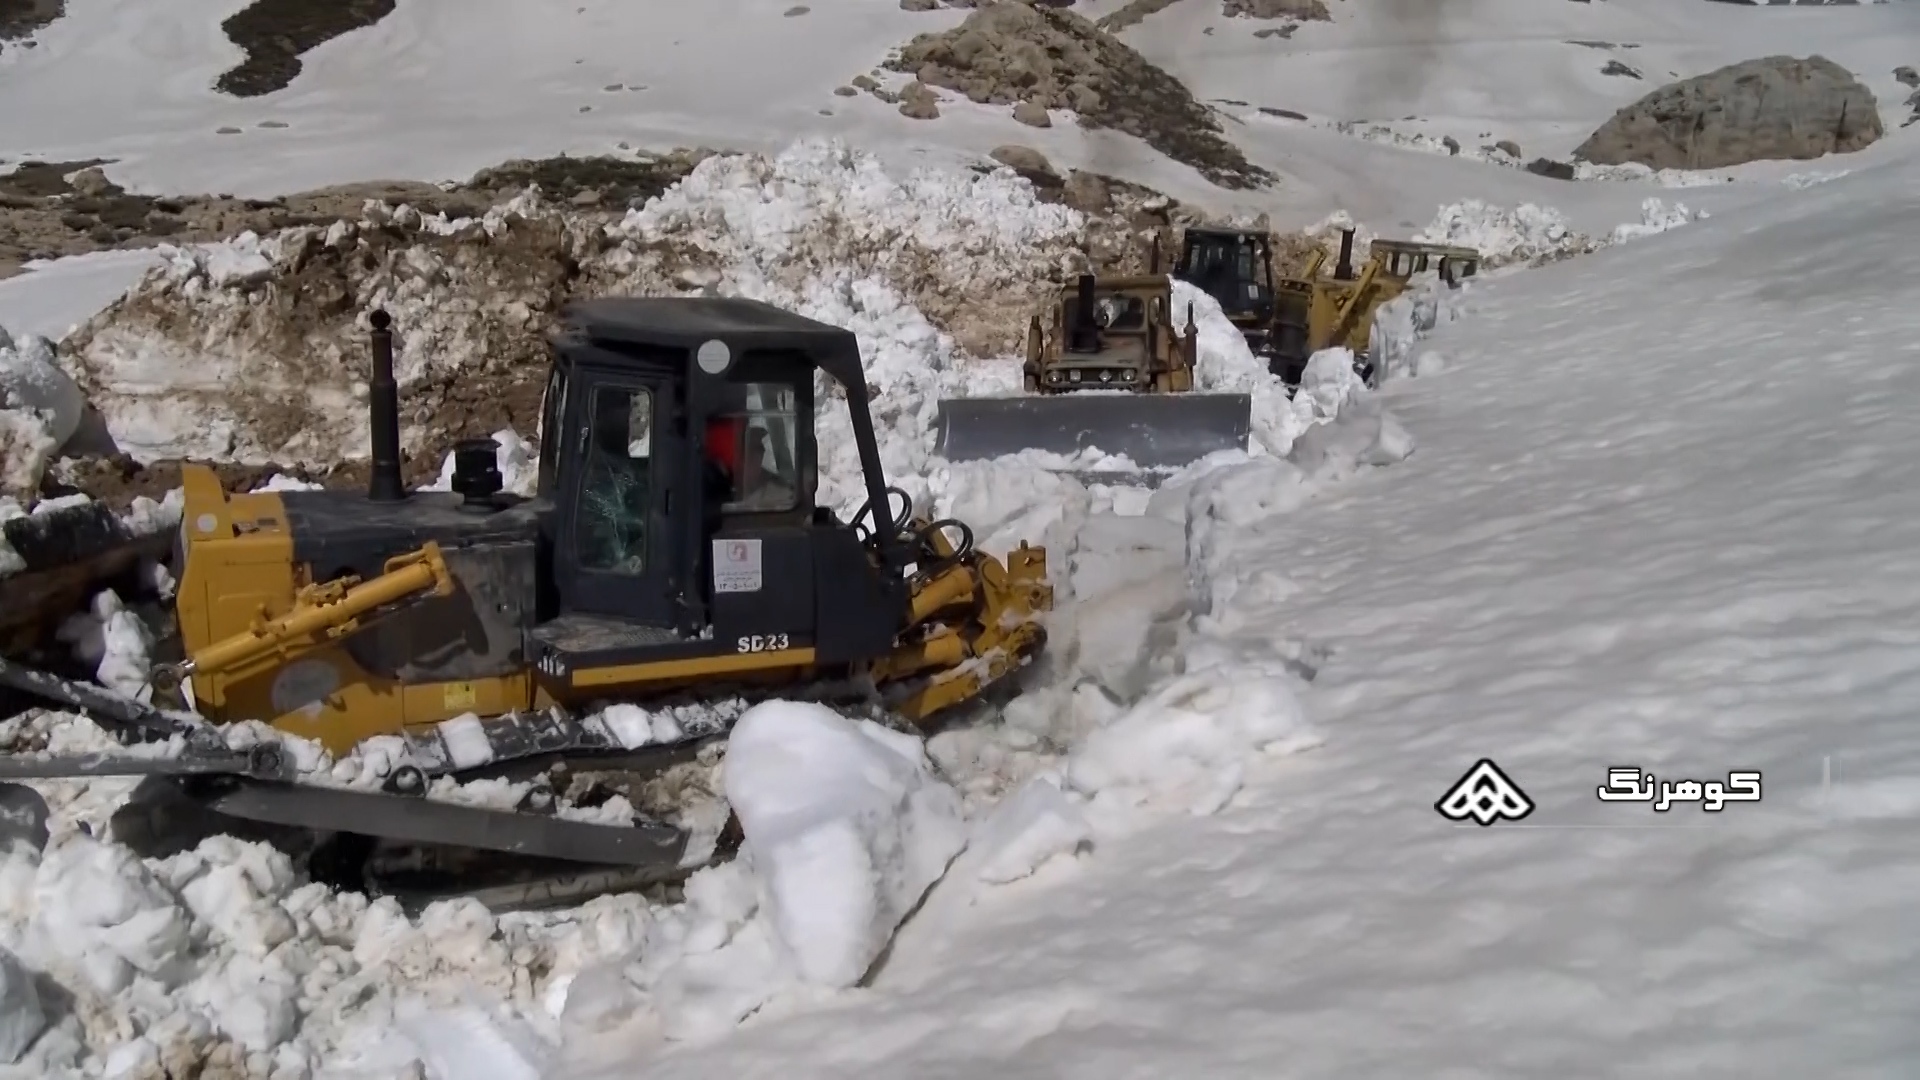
pixel 736 566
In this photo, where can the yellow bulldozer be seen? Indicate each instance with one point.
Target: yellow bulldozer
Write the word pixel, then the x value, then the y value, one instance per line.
pixel 1109 367
pixel 1288 318
pixel 1314 310
pixel 674 551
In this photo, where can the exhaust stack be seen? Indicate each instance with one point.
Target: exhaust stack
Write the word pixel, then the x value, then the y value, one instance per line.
pixel 1084 334
pixel 1343 270
pixel 383 415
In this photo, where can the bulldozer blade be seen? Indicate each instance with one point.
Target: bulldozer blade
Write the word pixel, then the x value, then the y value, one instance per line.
pixel 1154 430
pixel 23 817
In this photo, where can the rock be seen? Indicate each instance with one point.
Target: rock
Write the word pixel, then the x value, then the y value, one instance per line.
pixel 1023 159
pixel 22 1018
pixel 1275 9
pixel 1615 67
pixel 797 9
pixel 863 82
pixel 1286 113
pixel 919 5
pixel 93 183
pixel 844 91
pixel 1009 52
pixel 1556 170
pixel 1032 114
pixel 1087 192
pixel 588 197
pixel 1906 76
pixel 917 102
pixel 1769 109
pixel 1508 146
pixel 1452 145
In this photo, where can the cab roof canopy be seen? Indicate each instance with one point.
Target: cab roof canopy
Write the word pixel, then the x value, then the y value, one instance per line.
pixel 686 322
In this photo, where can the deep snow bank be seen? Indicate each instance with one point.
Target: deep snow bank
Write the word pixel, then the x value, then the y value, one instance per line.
pixel 282 314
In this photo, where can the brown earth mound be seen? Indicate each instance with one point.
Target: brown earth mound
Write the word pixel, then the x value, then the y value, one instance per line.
pixel 1010 52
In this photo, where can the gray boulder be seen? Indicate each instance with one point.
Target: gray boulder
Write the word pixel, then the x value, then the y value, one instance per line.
pixel 1773 108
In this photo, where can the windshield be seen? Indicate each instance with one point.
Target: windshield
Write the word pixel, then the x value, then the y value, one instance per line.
pixel 1232 270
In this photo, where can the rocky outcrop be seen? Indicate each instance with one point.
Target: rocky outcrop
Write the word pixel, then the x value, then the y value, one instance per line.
pixel 1773 108
pixel 1009 52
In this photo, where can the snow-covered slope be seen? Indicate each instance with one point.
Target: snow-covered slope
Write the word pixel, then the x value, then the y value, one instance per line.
pixel 1661 516
pixel 437 90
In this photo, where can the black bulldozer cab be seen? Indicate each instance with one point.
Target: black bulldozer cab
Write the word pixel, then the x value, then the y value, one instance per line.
pixel 678 457
pixel 1235 268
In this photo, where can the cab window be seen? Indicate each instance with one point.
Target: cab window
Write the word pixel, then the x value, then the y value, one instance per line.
pixel 617 496
pixel 753 450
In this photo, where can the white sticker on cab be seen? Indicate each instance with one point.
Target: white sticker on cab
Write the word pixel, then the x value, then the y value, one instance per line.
pixel 736 566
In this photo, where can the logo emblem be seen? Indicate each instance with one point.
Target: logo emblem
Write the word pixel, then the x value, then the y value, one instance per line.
pixel 1485 795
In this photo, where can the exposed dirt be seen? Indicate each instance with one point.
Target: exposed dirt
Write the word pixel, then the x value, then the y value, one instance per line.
pixel 46 215
pixel 1010 52
pixel 275 32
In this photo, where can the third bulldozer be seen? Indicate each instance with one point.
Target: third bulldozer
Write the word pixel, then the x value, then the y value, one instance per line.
pixel 1112 369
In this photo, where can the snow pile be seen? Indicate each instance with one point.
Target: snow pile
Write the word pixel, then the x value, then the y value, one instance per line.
pixel 1446 145
pixel 1224 364
pixel 1634 172
pixel 1401 323
pixel 1656 217
pixel 1501 236
pixel 1797 181
pixel 846 827
pixel 1188 742
pixel 223 954
pixel 113 642
pixel 40 409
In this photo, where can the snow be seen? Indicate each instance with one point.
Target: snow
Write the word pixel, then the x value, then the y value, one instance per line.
pixel 53 296
pixel 114 642
pixel 846 827
pixel 40 409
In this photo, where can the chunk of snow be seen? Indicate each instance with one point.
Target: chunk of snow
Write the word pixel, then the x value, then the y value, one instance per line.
pixel 1033 825
pixel 105 915
pixel 40 409
pixel 1188 741
pixel 846 826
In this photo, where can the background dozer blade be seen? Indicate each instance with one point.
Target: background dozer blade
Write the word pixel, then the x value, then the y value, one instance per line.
pixel 1155 430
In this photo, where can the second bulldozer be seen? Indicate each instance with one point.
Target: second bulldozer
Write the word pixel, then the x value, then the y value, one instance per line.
pixel 1111 368
pixel 1315 310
